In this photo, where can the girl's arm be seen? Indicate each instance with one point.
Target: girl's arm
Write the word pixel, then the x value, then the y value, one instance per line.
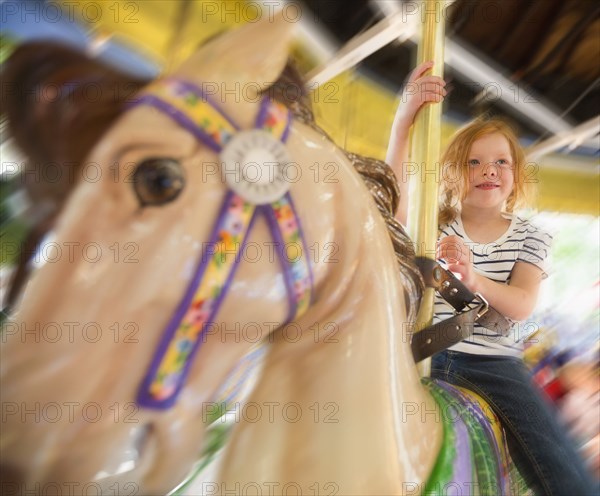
pixel 515 300
pixel 418 91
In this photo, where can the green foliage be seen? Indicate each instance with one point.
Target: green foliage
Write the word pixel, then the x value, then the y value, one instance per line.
pixel 7 45
pixel 12 229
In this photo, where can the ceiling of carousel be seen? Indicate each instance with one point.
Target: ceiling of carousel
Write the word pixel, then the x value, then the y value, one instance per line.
pixel 533 61
pixel 549 48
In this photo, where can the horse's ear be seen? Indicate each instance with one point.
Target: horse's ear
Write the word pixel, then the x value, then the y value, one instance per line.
pixel 253 54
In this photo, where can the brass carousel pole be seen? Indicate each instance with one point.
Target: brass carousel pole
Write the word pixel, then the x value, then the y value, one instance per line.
pixel 423 186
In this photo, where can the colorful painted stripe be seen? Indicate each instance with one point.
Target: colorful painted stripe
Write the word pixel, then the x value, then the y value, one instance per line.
pixel 443 470
pixel 484 459
pixel 292 251
pixel 489 422
pixel 199 305
pixel 190 108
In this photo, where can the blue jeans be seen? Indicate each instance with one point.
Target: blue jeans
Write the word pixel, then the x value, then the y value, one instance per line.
pixel 537 442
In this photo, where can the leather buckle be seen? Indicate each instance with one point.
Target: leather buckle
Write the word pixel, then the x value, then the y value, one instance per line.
pixel 485 305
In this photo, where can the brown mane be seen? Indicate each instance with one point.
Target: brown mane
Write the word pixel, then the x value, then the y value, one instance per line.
pixel 59 102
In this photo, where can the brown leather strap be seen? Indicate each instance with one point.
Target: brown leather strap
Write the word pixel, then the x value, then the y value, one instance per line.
pixel 440 336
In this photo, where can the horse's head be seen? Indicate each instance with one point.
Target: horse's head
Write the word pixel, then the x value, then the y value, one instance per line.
pixel 107 364
pixel 149 295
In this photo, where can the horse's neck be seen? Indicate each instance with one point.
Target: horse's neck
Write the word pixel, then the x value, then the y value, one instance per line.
pixel 343 404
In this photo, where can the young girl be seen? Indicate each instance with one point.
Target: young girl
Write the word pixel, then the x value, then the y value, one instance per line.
pixel 503 257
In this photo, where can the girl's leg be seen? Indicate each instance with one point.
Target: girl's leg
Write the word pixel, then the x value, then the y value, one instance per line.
pixel 538 443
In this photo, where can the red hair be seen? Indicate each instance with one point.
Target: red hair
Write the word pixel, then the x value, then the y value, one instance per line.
pixel 454 171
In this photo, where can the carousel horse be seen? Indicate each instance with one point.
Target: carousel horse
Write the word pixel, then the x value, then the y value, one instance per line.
pixel 205 217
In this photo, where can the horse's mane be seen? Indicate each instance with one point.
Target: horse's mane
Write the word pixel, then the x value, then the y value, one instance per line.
pixel 60 102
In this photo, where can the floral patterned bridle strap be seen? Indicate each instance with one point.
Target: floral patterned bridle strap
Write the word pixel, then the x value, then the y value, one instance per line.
pixel 253 165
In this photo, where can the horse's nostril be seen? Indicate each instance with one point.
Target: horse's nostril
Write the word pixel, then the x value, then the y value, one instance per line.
pixel 11 480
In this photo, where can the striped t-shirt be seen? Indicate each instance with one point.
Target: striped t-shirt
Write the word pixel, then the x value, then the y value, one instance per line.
pixel 522 242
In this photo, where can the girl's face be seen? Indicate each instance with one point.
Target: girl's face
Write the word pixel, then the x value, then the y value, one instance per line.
pixel 490 172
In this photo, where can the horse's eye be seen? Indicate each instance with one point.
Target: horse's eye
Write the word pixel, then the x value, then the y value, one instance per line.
pixel 158 181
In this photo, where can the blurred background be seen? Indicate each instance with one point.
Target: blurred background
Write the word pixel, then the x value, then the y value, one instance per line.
pixel 534 62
